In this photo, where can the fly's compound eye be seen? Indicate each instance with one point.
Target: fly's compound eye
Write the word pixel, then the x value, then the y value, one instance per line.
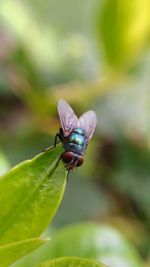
pixel 80 161
pixel 72 160
pixel 67 156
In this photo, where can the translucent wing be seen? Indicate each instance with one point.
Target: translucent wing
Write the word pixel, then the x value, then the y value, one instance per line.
pixel 68 119
pixel 88 123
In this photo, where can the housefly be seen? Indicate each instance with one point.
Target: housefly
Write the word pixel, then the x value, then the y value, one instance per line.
pixel 75 134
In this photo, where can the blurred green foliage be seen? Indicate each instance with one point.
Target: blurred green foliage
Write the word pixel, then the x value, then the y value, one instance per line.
pixel 94 54
pixel 124 28
pixel 86 240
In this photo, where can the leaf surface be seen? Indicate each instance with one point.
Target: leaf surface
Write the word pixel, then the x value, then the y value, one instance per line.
pixel 98 242
pixel 12 252
pixel 71 262
pixel 30 194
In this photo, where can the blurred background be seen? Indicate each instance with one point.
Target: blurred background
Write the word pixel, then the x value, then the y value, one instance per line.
pixel 96 55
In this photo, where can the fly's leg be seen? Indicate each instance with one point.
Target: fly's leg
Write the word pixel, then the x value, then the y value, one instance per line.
pixel 72 164
pixel 47 149
pixel 57 139
pixel 68 175
pixel 66 169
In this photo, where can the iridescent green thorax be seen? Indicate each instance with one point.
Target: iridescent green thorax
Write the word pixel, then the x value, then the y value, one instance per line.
pixel 76 142
pixel 79 131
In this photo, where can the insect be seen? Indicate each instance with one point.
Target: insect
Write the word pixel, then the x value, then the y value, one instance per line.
pixel 75 134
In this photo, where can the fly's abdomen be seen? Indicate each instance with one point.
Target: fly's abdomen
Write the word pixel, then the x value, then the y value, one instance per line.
pixel 76 143
pixel 77 139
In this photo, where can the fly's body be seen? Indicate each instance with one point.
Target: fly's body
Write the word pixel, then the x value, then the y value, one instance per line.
pixel 75 134
pixel 76 142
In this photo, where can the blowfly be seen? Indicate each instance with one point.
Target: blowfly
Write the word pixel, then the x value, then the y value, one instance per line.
pixel 75 134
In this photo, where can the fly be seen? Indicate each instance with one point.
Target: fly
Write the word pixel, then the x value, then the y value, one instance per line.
pixel 75 134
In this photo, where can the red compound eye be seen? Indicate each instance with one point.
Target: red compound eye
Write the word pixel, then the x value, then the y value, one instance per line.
pixel 67 156
pixel 80 161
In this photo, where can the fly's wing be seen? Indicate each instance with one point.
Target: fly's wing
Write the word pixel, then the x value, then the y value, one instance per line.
pixel 88 123
pixel 68 119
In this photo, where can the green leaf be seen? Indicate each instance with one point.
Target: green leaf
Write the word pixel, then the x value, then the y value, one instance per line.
pixel 86 240
pixel 123 31
pixel 30 194
pixel 99 242
pixel 71 262
pixel 13 251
